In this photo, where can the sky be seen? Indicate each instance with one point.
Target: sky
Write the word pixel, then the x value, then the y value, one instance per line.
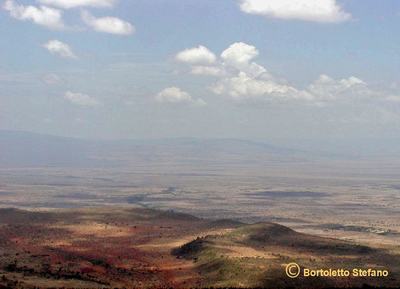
pixel 251 69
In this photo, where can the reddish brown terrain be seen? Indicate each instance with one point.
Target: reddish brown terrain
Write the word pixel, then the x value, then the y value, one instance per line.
pixel 140 248
pixel 95 248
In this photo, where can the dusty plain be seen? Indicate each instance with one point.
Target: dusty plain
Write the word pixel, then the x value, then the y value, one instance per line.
pixel 156 224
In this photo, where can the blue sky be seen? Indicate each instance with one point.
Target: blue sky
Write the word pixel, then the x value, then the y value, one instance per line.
pixel 256 69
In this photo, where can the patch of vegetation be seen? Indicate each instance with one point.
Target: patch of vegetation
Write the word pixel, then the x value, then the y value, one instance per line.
pixel 100 262
pixel 217 269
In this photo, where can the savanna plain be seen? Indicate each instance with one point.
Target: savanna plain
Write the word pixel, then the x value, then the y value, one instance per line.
pixel 191 213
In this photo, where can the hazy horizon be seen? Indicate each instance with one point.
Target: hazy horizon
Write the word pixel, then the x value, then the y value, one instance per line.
pixel 332 146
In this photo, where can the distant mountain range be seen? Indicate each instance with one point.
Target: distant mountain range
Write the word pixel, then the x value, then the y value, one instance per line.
pixel 22 149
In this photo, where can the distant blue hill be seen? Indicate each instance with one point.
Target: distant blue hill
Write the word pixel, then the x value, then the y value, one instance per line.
pixel 26 149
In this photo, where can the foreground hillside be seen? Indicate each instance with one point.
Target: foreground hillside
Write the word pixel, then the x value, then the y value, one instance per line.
pixel 131 248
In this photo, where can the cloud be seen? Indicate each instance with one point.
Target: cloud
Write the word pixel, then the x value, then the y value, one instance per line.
pixel 111 25
pixel 325 11
pixel 68 4
pixel 243 87
pixel 197 55
pixel 238 76
pixel 175 95
pixel 242 79
pixel 239 54
pixel 264 87
pixel 51 79
pixel 326 88
pixel 81 99
pixel 323 91
pixel 59 48
pixel 45 16
pixel 207 70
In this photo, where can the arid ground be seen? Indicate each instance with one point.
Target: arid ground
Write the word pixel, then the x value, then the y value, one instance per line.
pixel 185 214
pixel 142 248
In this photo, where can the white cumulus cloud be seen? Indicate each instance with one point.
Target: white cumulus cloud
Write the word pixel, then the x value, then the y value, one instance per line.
pixel 328 11
pixel 111 25
pixel 244 87
pixel 175 95
pixel 68 4
pixel 241 78
pixel 239 54
pixel 196 55
pixel 59 48
pixel 325 88
pixel 81 99
pixel 45 16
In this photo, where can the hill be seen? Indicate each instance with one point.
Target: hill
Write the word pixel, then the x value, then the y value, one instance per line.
pixel 255 256
pixel 25 149
pixel 142 248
